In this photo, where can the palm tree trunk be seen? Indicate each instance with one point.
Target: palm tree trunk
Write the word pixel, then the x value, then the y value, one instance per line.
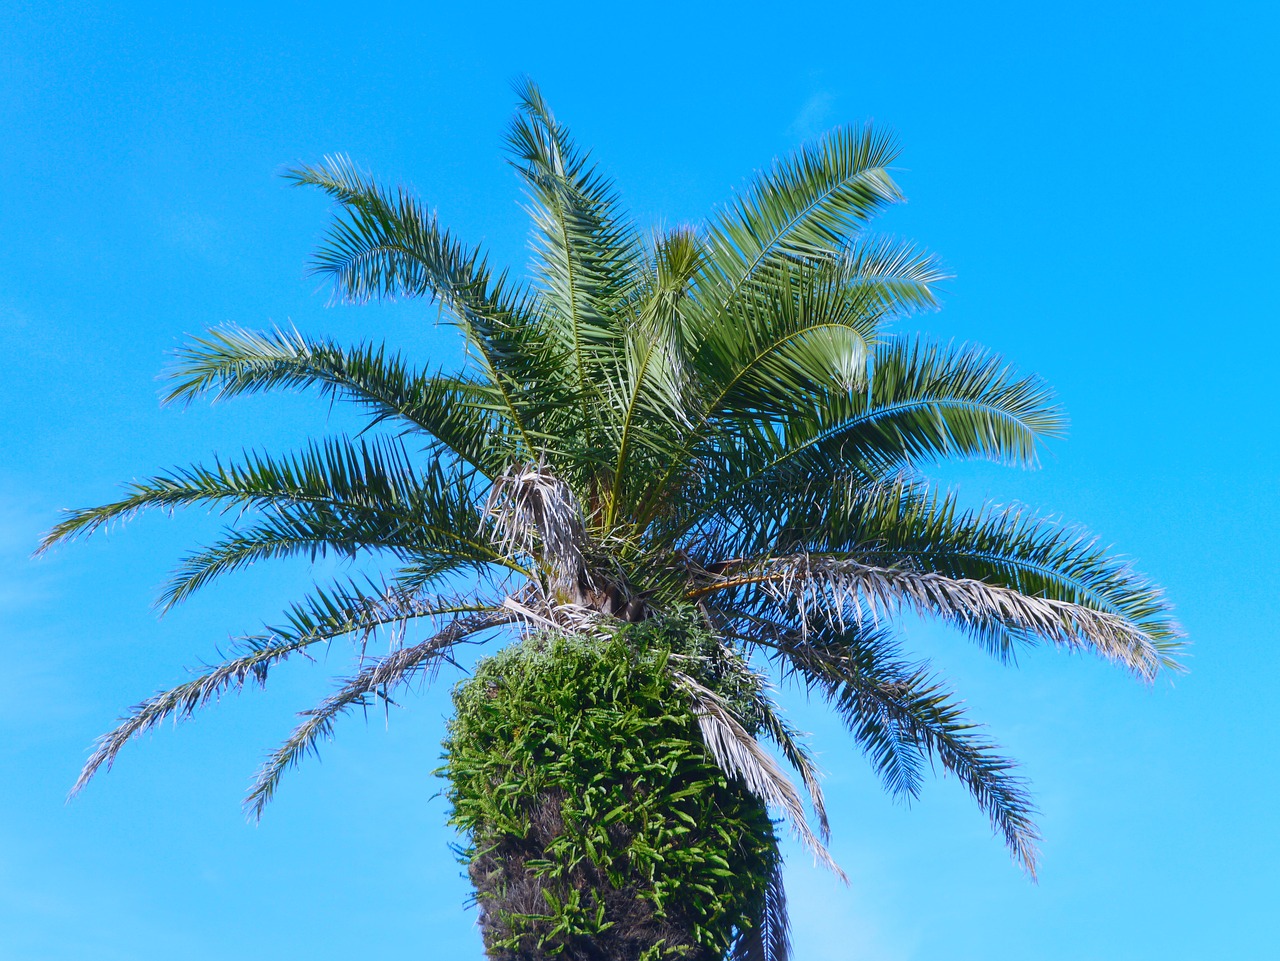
pixel 600 828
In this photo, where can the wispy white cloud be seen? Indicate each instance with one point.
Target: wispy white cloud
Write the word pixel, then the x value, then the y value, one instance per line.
pixel 21 581
pixel 195 234
pixel 813 117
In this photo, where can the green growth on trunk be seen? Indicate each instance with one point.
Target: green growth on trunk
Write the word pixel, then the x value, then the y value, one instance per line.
pixel 599 827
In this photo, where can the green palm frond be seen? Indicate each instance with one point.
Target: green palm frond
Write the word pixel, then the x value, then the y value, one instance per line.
pixel 902 716
pixel 806 207
pixel 384 245
pixel 801 344
pixel 874 280
pixel 373 480
pixel 587 252
pixel 428 547
pixel 805 338
pixel 770 938
pixel 807 366
pixel 653 386
pixel 458 414
pixel 890 277
pixel 908 530
pixel 924 404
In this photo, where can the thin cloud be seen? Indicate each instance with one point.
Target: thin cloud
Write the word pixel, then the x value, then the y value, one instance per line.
pixel 813 117
pixel 21 582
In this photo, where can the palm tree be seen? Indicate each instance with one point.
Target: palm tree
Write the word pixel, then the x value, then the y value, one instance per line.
pixel 714 424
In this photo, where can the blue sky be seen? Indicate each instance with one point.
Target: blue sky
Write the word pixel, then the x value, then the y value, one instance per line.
pixel 1099 177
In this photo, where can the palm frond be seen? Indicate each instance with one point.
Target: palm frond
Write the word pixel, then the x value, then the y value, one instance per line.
pixel 901 715
pixel 371 484
pixel 791 743
pixel 804 337
pixel 873 280
pixel 455 413
pixel 385 244
pixel 179 703
pixel 729 670
pixel 924 404
pixel 840 592
pixel 654 383
pixel 891 278
pixel 801 345
pixel 741 756
pixel 361 609
pixel 907 526
pixel 290 533
pixel 376 680
pixel 806 207
pixel 429 546
pixel 321 618
pixel 587 252
pixel 929 402
pixel 770 938
pixel 797 376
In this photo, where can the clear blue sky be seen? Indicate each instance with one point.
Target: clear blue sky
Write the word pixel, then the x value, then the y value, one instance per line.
pixel 1101 177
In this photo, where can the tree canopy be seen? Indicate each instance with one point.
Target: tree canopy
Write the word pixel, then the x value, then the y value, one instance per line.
pixel 724 418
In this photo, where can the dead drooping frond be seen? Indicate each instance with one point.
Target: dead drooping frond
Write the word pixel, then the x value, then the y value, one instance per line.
pixel 377 680
pixel 843 591
pixel 741 756
pixel 534 612
pixel 752 689
pixel 537 515
pixel 770 939
pixel 796 752
pixel 317 620
pixel 180 702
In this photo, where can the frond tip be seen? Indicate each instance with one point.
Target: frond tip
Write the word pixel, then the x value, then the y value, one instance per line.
pixel 181 702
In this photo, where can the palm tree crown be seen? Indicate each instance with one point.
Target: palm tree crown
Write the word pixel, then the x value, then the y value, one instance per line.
pixel 716 417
